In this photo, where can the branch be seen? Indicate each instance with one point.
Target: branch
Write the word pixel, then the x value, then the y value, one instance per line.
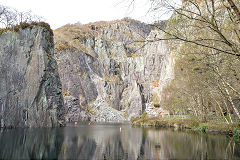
pixel 195 42
pixel 234 8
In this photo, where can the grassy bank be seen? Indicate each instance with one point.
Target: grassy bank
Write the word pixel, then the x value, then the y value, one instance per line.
pixel 190 123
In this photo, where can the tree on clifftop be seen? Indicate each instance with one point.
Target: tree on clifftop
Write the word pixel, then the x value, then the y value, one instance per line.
pixel 10 17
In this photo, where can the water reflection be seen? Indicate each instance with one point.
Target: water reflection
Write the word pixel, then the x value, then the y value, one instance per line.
pixel 30 143
pixel 110 142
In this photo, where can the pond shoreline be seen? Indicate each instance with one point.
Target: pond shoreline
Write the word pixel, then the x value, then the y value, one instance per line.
pixel 114 141
pixel 189 124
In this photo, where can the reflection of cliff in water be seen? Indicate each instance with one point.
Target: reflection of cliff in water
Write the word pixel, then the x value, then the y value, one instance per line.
pixel 30 143
pixel 109 142
pixel 105 142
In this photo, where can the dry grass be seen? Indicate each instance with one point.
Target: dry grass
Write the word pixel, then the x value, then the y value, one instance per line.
pixel 134 55
pixel 88 110
pixel 63 46
pixel 75 35
pixel 168 122
pixel 70 32
pixel 27 25
pixel 113 79
pixel 66 93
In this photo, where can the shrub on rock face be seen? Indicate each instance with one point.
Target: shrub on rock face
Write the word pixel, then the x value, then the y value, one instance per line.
pixel 60 47
pixel 144 115
pixel 237 134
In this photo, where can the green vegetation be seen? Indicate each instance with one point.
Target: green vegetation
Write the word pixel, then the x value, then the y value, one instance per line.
pixel 236 136
pixel 140 44
pixel 189 123
pixel 166 122
pixel 88 110
pixel 84 75
pixel 201 128
pixel 144 116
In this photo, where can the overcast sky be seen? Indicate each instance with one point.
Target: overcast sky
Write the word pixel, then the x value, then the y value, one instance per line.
pixel 60 12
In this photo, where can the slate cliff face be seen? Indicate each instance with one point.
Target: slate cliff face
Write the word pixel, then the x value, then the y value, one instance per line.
pixel 108 71
pixel 30 89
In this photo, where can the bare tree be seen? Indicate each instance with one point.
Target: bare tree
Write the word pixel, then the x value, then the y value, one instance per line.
pixel 208 15
pixel 10 17
pixel 206 36
pixel 7 17
pixel 234 8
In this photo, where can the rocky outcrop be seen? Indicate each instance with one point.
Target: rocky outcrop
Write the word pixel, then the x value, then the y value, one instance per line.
pixel 108 69
pixel 30 89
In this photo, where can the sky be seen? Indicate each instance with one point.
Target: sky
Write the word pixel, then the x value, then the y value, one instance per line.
pixel 60 12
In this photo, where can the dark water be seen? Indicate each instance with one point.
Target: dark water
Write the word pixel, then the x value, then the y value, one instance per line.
pixel 100 141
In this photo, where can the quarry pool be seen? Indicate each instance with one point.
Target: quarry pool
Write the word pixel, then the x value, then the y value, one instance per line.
pixel 113 141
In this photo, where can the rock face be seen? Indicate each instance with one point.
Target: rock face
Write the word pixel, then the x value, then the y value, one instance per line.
pixel 108 70
pixel 109 73
pixel 30 88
